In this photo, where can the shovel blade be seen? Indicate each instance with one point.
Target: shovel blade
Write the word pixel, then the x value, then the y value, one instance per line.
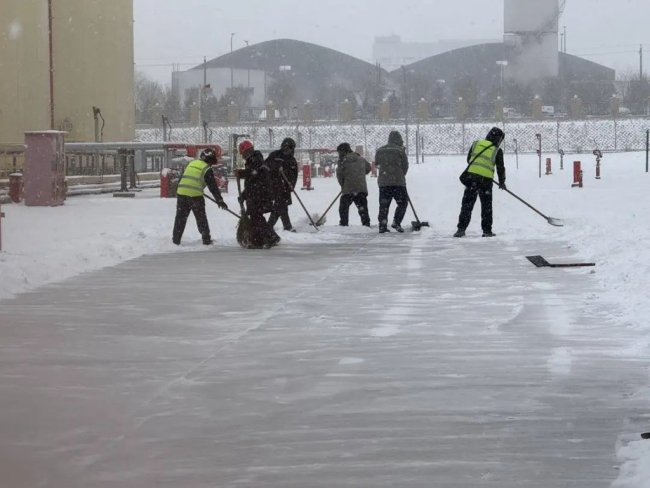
pixel 417 226
pixel 539 261
pixel 556 222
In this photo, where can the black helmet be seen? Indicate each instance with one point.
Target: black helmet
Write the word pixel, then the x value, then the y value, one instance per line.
pixel 344 148
pixel 209 156
pixel 288 143
pixel 495 136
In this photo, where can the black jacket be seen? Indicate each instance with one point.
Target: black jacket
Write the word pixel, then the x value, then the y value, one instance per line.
pixel 211 182
pixel 281 191
pixel 258 191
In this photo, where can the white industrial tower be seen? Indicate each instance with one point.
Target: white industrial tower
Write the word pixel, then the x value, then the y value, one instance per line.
pixel 531 39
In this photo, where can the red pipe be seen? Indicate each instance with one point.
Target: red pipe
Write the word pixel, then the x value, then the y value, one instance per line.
pixel 51 35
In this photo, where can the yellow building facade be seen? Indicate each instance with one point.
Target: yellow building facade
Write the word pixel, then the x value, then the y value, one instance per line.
pixel 61 58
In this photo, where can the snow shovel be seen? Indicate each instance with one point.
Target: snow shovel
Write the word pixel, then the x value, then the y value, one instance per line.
pixel 554 222
pixel 417 224
pixel 540 262
pixel 299 200
pixel 227 209
pixel 320 221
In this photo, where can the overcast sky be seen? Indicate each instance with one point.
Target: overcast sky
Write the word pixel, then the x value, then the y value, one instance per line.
pixel 183 31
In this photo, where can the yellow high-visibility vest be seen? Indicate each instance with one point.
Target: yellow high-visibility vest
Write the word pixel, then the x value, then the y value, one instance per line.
pixel 484 164
pixel 193 180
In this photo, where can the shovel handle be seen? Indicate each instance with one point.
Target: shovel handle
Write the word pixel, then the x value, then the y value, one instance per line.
pixel 299 200
pixel 329 208
pixel 525 203
pixel 226 209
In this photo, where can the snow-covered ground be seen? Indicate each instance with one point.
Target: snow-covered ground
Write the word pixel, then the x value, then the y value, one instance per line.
pixel 606 222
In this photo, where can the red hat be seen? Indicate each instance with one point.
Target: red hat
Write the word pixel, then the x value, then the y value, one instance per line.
pixel 245 146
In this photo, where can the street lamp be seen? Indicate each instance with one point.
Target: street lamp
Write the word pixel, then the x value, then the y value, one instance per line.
pixel 503 65
pixel 232 76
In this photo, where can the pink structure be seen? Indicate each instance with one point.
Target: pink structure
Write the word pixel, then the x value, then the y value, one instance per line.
pixel 44 170
pixel 2 216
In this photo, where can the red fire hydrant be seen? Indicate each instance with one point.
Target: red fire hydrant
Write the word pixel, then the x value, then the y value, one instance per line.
pixel 577 175
pixel 306 177
pixel 16 187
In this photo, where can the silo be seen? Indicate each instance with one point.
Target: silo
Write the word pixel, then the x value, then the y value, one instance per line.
pixel 531 40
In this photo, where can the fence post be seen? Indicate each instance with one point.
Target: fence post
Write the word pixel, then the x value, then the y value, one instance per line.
pixel 539 153
pixel 647 149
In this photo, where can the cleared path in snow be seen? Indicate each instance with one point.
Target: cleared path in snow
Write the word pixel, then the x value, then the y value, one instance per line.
pixel 408 361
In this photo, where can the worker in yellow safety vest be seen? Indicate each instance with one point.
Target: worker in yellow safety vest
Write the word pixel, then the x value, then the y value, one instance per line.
pixel 484 158
pixel 197 175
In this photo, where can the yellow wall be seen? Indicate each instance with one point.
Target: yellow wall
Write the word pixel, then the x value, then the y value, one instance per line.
pixel 93 66
pixel 24 68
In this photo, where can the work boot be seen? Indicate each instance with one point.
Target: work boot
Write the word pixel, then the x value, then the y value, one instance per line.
pixel 397 227
pixel 207 242
pixel 489 234
pixel 459 233
pixel 384 230
pixel 291 229
pixel 176 241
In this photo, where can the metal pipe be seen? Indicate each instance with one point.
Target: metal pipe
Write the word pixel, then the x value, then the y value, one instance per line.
pixel 51 47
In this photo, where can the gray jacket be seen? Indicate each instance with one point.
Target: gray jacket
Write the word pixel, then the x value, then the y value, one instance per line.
pixel 392 162
pixel 351 173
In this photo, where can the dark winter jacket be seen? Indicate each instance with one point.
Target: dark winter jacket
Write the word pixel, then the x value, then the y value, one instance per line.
pixel 211 182
pixel 392 162
pixel 258 191
pixel 281 191
pixel 351 173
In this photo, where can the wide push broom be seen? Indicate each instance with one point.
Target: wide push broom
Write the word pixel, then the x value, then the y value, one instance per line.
pixel 244 227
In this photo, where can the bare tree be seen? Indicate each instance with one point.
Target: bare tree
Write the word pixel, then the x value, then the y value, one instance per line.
pixel 147 93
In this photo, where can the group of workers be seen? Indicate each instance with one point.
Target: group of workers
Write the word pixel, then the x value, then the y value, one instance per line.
pixel 269 183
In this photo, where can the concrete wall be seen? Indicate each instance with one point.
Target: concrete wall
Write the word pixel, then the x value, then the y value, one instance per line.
pixel 93 66
pixel 24 68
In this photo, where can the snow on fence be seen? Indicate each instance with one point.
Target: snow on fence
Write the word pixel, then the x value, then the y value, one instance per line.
pixel 448 138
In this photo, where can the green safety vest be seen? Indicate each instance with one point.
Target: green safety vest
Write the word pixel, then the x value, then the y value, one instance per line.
pixel 483 165
pixel 193 180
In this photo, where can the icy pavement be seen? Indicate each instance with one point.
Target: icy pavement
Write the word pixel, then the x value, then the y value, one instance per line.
pixel 399 361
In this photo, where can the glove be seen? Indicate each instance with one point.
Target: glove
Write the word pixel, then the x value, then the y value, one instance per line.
pixel 222 205
pixel 502 186
pixel 240 173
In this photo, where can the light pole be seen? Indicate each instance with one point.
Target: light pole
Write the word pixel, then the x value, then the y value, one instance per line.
pixel 406 110
pixel 249 71
pixel 232 75
pixel 503 65
pixel 285 69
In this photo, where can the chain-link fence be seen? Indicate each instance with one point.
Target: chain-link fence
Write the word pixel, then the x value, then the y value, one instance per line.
pixel 436 138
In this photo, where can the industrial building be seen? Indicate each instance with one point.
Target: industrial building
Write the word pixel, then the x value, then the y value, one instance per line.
pixel 61 58
pixel 220 80
pixel 391 52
